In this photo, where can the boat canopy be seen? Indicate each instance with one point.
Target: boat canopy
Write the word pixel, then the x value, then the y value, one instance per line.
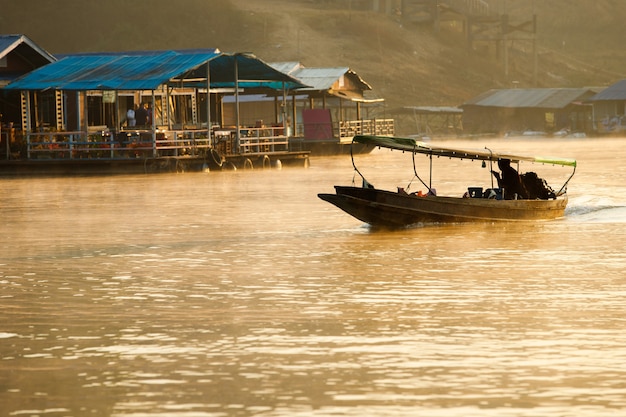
pixel 416 146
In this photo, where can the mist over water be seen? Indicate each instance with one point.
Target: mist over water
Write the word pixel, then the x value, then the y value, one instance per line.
pixel 243 294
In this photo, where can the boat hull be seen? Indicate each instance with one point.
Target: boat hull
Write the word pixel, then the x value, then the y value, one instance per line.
pixel 396 210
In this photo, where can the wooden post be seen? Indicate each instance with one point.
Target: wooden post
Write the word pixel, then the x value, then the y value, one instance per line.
pixel 237 121
pixel 118 123
pixel 153 125
pixel 208 101
pixel 26 119
pixel 294 109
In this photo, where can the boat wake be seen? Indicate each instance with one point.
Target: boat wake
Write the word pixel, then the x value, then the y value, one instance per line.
pixel 596 210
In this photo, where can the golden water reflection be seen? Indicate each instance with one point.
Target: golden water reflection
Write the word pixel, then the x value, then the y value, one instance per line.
pixel 242 294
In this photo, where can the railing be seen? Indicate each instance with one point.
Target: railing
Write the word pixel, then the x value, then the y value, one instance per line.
pixel 256 140
pixel 382 127
pixel 344 131
pixel 472 7
pixel 108 145
pixel 140 144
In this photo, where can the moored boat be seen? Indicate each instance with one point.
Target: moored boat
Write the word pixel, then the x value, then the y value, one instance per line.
pixel 397 209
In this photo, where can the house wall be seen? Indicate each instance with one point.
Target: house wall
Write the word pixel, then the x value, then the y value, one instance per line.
pixel 609 109
pixel 479 119
pixel 249 113
pixel 10 108
pixel 579 118
pixel 10 104
pixel 609 116
pixel 269 112
pixel 346 84
pixel 13 64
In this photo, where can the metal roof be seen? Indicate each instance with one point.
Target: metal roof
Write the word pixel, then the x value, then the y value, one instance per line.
pixel 252 72
pixel 615 91
pixel 319 79
pixel 324 78
pixel 547 98
pixel 147 70
pixel 28 56
pixel 287 67
pixel 427 110
pixel 26 48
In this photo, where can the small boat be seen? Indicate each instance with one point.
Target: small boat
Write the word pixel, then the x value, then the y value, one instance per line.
pixel 399 209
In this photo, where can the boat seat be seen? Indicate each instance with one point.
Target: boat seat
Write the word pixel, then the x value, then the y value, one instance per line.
pixel 493 193
pixel 475 192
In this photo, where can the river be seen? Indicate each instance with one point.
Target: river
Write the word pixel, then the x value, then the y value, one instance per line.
pixel 242 294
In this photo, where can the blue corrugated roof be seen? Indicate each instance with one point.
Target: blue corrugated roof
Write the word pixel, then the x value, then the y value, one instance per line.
pixel 252 71
pixel 147 70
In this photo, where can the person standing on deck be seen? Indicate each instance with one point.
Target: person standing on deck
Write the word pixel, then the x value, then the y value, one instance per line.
pixel 148 114
pixel 130 117
pixel 141 114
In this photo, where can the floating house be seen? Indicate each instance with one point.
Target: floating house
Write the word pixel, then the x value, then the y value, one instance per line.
pixel 529 111
pixel 609 109
pixel 323 117
pixel 74 111
pixel 19 55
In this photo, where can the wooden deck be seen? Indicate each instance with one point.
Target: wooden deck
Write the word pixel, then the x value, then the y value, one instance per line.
pixel 137 151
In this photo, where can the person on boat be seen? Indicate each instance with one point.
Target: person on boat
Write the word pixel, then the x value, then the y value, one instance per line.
pixel 510 181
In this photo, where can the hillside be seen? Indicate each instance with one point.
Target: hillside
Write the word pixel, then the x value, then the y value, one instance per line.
pixel 578 42
pixel 412 65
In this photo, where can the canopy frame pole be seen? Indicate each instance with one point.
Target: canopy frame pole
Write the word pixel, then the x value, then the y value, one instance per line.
pixel 415 169
pixel 430 179
pixel 490 165
pixel 563 189
pixel 364 182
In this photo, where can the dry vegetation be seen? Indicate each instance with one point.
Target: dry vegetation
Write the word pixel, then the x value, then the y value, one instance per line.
pixel 579 42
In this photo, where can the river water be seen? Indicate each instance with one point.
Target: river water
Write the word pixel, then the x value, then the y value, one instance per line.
pixel 243 294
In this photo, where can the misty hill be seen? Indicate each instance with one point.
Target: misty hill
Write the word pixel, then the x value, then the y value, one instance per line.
pixel 579 43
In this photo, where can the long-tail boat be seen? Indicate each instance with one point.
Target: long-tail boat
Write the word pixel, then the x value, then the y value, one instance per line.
pixel 398 208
